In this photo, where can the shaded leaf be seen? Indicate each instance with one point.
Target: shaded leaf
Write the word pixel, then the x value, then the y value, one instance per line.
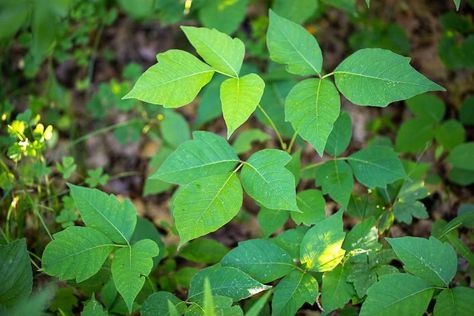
pixel 292 292
pixel 397 294
pixel 16 276
pixel 225 281
pixel 335 178
pixel 261 259
pixel 76 253
pixel 130 267
pixel 267 181
pixel 430 259
pixel 376 166
pixel 455 302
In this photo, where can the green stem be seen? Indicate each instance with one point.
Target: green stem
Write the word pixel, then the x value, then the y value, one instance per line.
pixel 292 142
pixel 327 75
pixel 40 217
pixel 272 124
pixel 99 131
pixel 461 248
pixel 316 164
pixel 124 174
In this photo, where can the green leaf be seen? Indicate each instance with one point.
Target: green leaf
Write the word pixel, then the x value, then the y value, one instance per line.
pixel 222 307
pixel 268 182
pixel 244 140
pixel 208 308
pixel 240 97
pixel 226 16
pixel 461 176
pixel 93 308
pixel 335 178
pixel 321 248
pixel 174 128
pixel 146 229
pixel 336 291
pixel 33 306
pixel 397 294
pixel 428 107
pixel 206 204
pixel 290 241
pixel 450 134
pixel 13 15
pixel 261 259
pixel 292 292
pixel 296 13
pixel 414 135
pixel 290 44
pixel 156 304
pixel 365 269
pixel 259 305
pixel 406 211
pixel 223 53
pixel 206 155
pixel 271 220
pixel 312 108
pixel 203 251
pixel 105 213
pixel 364 236
pixel 430 259
pixel 377 77
pixel 295 165
pixel 311 203
pixel 457 3
pixel 76 253
pixel 96 177
pixel 174 81
pixel 340 136
pixel 461 156
pixel 225 281
pixel 376 166
pixel 67 167
pixel 455 302
pixel 209 102
pixel 466 112
pixel 16 277
pixel 130 267
pixel 273 102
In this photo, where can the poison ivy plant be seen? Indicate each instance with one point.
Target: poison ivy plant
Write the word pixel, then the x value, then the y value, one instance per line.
pixel 16 274
pixel 80 252
pixel 303 253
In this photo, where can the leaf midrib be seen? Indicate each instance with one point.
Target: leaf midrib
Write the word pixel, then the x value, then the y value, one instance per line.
pixel 236 75
pixel 108 221
pixel 194 167
pixel 299 53
pixel 377 78
pixel 83 251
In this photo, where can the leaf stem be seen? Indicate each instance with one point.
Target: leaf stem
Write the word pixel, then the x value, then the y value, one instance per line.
pixel 100 131
pixel 272 124
pixel 313 165
pixel 328 75
pixel 316 164
pixel 292 142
